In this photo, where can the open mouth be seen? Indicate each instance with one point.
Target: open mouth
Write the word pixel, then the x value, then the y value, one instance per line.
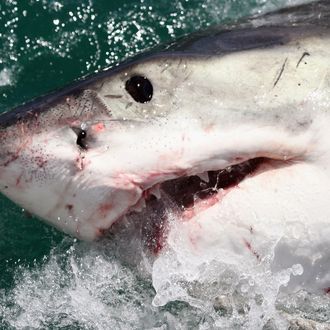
pixel 186 192
pixel 188 196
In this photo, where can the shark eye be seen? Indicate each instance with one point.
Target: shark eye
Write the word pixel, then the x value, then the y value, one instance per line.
pixel 81 139
pixel 140 88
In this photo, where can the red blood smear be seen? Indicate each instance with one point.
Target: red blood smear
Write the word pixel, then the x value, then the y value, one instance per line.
pixel 327 290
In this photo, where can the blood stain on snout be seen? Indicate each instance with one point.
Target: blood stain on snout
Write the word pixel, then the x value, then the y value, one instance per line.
pixel 69 207
pixel 18 179
pixel 104 209
pixel 80 162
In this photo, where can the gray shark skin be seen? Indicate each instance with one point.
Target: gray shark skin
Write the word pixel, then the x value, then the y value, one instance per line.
pixel 227 131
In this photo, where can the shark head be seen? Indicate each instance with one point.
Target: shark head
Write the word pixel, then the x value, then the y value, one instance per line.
pixel 239 110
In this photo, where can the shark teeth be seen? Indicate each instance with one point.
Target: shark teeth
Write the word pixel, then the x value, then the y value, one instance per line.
pixel 155 191
pixel 204 176
pixel 139 206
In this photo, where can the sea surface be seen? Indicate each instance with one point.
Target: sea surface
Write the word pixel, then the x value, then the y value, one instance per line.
pixel 48 279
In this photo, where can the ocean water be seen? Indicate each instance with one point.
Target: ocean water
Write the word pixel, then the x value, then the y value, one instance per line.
pixel 50 280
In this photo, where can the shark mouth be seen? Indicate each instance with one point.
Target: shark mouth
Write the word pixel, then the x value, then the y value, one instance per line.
pixel 188 196
pixel 189 192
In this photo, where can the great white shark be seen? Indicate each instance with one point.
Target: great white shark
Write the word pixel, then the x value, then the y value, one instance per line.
pixel 230 126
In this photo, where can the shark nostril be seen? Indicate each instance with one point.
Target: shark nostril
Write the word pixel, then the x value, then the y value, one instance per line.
pixel 81 139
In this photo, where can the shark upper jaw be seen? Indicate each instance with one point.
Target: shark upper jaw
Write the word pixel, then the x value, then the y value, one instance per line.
pixel 171 168
pixel 109 183
pixel 86 192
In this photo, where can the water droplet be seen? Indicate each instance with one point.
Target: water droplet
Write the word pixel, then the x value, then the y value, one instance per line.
pixel 297 270
pixel 244 288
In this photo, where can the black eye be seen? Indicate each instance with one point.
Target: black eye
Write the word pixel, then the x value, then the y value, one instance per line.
pixel 140 88
pixel 81 139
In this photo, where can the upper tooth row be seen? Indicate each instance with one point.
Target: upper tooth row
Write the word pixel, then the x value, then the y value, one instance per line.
pixel 204 176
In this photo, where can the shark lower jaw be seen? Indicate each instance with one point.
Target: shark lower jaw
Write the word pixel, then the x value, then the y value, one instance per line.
pixel 187 197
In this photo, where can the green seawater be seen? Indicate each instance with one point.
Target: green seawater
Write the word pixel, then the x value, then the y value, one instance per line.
pixel 45 45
